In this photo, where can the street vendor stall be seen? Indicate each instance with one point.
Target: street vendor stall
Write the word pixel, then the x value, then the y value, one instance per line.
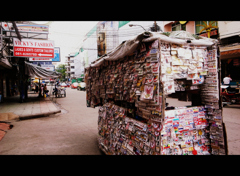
pixel 130 85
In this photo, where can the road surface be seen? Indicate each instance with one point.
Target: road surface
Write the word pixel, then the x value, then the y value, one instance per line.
pixel 71 132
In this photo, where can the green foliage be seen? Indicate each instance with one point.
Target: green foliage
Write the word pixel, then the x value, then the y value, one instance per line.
pixel 62 69
pixel 166 33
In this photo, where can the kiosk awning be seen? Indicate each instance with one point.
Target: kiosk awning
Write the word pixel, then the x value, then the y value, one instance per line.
pixel 128 46
pixel 36 71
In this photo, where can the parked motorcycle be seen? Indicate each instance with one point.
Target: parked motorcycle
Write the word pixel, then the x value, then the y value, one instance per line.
pixel 230 95
pixel 59 91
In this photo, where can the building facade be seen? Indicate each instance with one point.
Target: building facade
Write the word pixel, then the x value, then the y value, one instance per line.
pixel 230 49
pixel 228 34
pixel 13 77
pixel 105 36
pixel 191 26
pixel 108 34
pixel 70 66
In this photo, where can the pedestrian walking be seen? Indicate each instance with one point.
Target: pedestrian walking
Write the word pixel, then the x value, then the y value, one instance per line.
pixel 42 93
pixel 36 88
pixel 45 91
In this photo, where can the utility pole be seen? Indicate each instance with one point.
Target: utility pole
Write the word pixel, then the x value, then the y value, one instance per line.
pixel 155 26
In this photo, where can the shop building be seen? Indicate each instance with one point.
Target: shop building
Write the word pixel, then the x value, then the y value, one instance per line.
pixel 230 50
pixel 9 70
pixel 190 26
pixel 228 35
pixel 14 78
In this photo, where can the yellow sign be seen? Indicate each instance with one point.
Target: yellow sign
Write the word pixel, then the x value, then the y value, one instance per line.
pixel 182 22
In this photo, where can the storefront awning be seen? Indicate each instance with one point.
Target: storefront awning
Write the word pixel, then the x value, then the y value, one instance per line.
pixel 228 52
pixel 36 71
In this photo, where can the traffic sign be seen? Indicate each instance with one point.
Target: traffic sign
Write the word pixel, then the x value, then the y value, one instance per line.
pixel 33 48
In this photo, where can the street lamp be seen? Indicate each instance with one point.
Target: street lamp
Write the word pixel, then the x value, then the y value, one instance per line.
pixel 131 25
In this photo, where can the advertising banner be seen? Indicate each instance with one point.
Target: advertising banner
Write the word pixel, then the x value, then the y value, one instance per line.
pixel 33 48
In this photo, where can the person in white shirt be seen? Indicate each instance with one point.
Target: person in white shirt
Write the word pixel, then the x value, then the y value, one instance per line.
pixel 226 80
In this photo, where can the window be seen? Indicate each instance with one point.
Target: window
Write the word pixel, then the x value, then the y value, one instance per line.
pixel 177 27
pixel 199 28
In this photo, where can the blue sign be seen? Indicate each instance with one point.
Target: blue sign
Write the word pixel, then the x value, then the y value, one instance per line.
pixel 56 54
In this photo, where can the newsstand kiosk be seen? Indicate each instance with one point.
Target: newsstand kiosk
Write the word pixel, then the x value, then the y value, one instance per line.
pixel 130 86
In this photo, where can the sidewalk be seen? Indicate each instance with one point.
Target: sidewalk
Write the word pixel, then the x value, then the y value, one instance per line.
pixel 11 109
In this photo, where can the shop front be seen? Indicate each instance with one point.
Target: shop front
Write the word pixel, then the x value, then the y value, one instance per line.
pixel 230 63
pixel 5 69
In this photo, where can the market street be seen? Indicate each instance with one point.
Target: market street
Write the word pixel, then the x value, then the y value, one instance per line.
pixel 71 132
pixel 74 130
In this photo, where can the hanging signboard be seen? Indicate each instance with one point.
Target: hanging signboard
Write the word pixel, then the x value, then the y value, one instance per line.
pixel 35 28
pixel 55 59
pixel 212 33
pixel 33 48
pixel 35 31
pixel 48 67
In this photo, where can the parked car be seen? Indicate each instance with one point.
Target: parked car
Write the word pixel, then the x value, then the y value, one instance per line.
pixel 81 86
pixel 68 84
pixel 63 85
pixel 74 85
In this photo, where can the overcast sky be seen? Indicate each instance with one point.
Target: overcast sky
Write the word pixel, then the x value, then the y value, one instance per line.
pixel 68 35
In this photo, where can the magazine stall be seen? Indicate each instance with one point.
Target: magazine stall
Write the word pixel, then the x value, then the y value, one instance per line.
pixel 130 85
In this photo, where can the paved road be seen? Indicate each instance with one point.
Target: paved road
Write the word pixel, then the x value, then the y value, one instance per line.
pixel 71 132
pixel 231 118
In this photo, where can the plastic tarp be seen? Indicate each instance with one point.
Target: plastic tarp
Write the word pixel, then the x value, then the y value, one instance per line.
pixel 127 47
pixel 36 71
pixel 124 49
pixel 5 63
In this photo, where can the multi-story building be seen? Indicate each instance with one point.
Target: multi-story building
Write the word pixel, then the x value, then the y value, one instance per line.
pixel 190 26
pixel 106 35
pixel 70 66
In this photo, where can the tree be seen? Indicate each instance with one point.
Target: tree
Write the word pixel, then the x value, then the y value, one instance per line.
pixel 62 69
pixel 207 27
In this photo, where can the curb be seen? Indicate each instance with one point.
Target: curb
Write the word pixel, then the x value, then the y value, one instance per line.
pixel 25 117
